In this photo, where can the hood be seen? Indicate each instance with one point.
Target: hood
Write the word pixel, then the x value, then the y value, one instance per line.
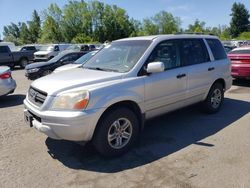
pixel 67 67
pixel 65 80
pixel 42 53
pixel 37 65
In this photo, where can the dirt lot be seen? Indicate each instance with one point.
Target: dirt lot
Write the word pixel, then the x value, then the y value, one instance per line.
pixel 183 149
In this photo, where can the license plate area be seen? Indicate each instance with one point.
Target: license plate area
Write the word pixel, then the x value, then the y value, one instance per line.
pixel 28 117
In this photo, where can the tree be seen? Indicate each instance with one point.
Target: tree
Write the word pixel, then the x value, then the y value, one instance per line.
pixel 240 19
pixel 11 33
pixel 24 34
pixel 51 30
pixel 244 36
pixel 197 27
pixel 34 27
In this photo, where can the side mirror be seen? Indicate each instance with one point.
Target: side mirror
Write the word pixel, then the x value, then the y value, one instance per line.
pixel 155 67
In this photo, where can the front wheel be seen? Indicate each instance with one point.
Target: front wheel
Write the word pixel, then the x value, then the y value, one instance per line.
pixel 116 132
pixel 46 72
pixel 214 99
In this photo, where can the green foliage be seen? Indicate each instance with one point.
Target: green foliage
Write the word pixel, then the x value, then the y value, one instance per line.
pixel 197 27
pixel 161 23
pixel 81 38
pixel 244 36
pixel 34 29
pixel 240 19
pixel 82 21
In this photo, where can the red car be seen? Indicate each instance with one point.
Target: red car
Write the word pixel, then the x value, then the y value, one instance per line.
pixel 240 59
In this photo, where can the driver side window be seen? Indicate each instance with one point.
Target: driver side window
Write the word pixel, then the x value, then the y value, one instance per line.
pixel 166 52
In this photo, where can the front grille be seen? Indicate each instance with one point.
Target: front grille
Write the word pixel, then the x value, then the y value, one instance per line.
pixel 36 96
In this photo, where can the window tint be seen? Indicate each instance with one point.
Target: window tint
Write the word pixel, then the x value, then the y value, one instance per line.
pixel 4 49
pixel 56 49
pixel 167 53
pixel 69 58
pixel 193 51
pixel 217 49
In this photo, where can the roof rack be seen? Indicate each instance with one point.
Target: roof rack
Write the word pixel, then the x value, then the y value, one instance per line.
pixel 194 33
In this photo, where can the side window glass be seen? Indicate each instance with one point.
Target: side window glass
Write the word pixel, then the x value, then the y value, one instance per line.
pixel 193 51
pixel 56 48
pixel 217 49
pixel 167 53
pixel 3 49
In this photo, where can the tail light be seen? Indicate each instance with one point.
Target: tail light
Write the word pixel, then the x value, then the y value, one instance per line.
pixel 5 75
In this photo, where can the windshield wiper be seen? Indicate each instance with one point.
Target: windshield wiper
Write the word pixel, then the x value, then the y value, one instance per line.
pixel 101 69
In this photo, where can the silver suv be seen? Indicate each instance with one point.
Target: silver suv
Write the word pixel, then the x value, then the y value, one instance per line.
pixel 131 80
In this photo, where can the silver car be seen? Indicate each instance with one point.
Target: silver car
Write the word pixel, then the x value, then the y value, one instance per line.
pixel 127 82
pixel 7 83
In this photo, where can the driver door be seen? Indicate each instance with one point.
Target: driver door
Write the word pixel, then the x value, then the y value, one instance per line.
pixel 165 91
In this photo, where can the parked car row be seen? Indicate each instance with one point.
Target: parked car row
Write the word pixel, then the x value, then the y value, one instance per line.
pixel 12 56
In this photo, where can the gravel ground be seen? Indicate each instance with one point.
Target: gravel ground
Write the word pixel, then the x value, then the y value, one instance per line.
pixel 185 148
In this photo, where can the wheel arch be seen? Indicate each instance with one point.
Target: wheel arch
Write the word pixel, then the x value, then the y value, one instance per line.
pixel 132 105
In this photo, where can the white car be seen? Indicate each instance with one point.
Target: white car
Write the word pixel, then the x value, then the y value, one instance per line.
pixel 78 63
pixel 127 82
pixel 47 52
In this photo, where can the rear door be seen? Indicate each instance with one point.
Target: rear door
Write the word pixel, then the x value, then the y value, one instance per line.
pixel 195 57
pixel 5 55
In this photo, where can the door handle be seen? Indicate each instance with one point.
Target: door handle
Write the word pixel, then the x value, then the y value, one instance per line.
pixel 179 76
pixel 210 68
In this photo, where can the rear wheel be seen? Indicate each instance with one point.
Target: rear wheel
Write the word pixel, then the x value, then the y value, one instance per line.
pixel 214 99
pixel 23 63
pixel 116 132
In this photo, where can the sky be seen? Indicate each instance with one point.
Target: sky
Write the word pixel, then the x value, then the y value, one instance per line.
pixel 213 12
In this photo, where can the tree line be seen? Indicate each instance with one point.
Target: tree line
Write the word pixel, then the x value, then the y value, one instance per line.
pixel 94 21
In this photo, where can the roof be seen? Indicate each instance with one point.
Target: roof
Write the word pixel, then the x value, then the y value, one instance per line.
pixel 170 36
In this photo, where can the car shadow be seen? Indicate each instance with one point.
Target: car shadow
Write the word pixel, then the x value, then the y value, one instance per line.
pixel 241 82
pixel 161 137
pixel 11 100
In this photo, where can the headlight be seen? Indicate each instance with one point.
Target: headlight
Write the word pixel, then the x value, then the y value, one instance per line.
pixel 33 70
pixel 75 100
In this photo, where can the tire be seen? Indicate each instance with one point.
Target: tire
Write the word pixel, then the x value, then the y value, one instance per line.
pixel 214 99
pixel 46 72
pixel 116 132
pixel 23 63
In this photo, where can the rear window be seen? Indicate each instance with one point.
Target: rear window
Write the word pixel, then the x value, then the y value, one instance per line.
pixel 217 49
pixel 240 52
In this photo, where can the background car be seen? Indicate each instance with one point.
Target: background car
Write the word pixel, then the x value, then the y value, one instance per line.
pixel 7 83
pixel 14 58
pixel 240 61
pixel 78 63
pixel 49 51
pixel 36 70
pixel 229 48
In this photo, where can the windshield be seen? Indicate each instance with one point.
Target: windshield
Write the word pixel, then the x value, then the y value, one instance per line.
pixel 73 47
pixel 85 58
pixel 47 48
pixel 57 58
pixel 120 56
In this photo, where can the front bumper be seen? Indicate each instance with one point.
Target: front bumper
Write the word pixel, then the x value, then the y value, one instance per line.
pixel 74 126
pixel 7 86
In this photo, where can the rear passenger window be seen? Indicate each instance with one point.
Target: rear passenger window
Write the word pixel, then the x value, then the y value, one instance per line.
pixel 193 51
pixel 3 49
pixel 217 49
pixel 167 53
